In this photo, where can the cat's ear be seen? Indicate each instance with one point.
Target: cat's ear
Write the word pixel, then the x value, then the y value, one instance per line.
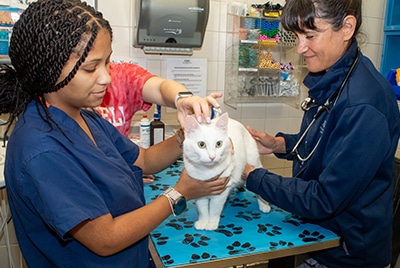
pixel 191 124
pixel 222 122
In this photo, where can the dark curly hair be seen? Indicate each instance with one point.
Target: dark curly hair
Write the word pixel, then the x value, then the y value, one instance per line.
pixel 47 33
pixel 298 15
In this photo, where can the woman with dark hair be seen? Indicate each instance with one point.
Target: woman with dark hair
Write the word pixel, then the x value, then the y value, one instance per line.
pixel 73 181
pixel 343 154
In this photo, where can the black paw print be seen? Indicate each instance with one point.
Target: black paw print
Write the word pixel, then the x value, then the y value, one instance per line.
pixel 241 189
pixel 306 236
pixel 294 220
pixel 167 259
pixel 173 172
pixel 248 215
pixel 204 256
pixel 236 202
pixel 161 240
pixel 269 229
pixel 274 245
pixel 201 240
pixel 158 186
pixel 225 229
pixel 180 223
pixel 237 248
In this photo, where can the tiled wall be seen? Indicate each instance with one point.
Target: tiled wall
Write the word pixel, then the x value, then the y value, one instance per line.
pixel 268 117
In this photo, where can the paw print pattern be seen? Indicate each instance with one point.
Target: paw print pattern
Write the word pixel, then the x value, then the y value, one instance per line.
pixel 180 223
pixel 237 248
pixel 294 220
pixel 229 229
pixel 248 215
pixel 241 190
pixel 274 245
pixel 196 240
pixel 158 187
pixel 160 240
pixel 306 236
pixel 167 259
pixel 269 229
pixel 236 202
pixel 204 256
pixel 173 173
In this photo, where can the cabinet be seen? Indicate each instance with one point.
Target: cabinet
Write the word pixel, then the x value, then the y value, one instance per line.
pixel 391 40
pixel 261 61
pixel 9 15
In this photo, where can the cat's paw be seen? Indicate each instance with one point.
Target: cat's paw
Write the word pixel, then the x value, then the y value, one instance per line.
pixel 212 225
pixel 200 225
pixel 263 205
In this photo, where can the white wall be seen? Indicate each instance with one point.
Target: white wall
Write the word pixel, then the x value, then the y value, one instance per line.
pixel 268 117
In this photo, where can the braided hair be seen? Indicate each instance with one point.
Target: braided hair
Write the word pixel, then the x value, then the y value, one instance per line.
pixel 47 33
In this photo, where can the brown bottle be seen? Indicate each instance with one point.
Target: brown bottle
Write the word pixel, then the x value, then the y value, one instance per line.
pixel 157 129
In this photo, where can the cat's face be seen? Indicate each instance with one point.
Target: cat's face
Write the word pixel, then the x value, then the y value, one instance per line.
pixel 206 144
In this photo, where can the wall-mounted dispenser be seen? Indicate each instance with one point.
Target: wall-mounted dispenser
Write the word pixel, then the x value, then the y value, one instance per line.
pixel 170 27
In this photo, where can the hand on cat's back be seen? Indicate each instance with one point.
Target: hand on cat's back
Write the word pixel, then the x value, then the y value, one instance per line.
pixel 247 169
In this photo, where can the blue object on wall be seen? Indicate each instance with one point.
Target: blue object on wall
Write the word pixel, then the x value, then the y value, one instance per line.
pixel 392 80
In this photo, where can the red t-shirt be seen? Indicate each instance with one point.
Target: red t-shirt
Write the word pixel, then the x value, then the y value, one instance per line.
pixel 124 95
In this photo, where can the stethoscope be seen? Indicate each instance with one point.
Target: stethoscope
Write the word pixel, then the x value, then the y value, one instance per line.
pixel 327 106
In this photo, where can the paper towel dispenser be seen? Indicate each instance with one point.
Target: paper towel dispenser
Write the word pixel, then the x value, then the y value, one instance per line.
pixel 173 26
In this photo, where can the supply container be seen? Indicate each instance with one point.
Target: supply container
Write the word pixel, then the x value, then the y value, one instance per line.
pixel 144 132
pixel 157 128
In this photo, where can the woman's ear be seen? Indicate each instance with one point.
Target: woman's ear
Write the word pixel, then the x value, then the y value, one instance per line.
pixel 349 26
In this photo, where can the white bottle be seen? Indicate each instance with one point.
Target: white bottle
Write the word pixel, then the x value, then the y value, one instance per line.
pixel 145 132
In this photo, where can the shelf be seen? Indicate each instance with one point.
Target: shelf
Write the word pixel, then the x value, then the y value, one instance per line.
pixel 250 70
pixel 249 42
pixel 233 102
pixel 5 60
pixel 259 55
pixel 392 28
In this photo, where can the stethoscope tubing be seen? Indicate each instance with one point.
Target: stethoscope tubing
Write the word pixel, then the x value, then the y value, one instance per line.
pixel 325 107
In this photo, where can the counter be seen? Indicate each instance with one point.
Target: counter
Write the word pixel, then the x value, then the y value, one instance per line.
pixel 245 235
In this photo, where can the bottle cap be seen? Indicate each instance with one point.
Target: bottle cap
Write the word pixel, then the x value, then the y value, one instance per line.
pixel 157 116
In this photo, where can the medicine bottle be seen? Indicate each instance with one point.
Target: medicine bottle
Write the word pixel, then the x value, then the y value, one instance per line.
pixel 157 128
pixel 144 132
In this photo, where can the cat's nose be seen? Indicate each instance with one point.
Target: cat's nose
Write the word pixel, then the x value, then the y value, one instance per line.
pixel 212 158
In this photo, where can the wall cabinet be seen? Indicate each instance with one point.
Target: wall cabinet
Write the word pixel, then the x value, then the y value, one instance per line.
pixel 391 40
pixel 261 62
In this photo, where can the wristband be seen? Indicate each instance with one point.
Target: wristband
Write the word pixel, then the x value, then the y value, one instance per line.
pixel 182 94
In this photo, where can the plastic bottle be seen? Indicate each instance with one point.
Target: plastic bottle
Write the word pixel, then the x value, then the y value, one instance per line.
pixel 144 132
pixel 157 128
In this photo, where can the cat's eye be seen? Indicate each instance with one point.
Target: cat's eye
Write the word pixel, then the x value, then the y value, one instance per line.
pixel 201 144
pixel 218 144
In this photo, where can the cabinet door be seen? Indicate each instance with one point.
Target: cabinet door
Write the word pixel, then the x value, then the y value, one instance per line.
pixel 392 18
pixel 390 52
pixel 391 41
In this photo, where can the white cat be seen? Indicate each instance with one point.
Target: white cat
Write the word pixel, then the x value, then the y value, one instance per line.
pixel 221 148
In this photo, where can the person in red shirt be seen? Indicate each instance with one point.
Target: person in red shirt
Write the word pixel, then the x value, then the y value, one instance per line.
pixel 133 88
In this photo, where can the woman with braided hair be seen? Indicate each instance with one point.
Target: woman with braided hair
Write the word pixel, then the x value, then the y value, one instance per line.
pixel 74 182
